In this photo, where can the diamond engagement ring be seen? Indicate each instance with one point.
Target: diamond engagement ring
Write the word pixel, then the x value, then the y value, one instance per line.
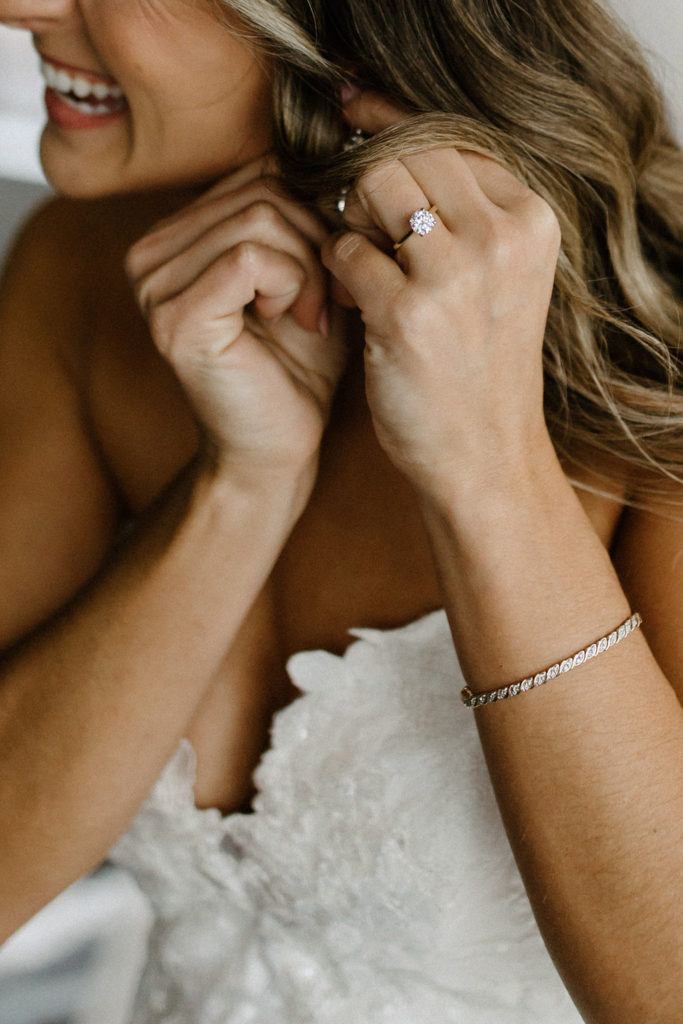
pixel 421 223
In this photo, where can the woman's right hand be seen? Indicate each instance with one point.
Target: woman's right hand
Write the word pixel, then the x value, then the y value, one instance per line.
pixel 235 297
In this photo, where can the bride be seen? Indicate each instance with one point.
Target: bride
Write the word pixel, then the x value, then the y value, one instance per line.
pixel 245 528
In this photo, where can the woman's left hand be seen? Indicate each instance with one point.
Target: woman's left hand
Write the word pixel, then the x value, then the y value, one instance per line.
pixel 454 320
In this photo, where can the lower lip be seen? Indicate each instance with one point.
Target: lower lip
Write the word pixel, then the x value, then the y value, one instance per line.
pixel 64 116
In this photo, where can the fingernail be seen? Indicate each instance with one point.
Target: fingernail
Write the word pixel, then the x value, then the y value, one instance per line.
pixel 348 92
pixel 324 323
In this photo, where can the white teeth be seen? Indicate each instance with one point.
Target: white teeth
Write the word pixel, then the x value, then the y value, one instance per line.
pixel 86 108
pixel 81 87
pixel 61 81
pixel 48 73
pixel 101 91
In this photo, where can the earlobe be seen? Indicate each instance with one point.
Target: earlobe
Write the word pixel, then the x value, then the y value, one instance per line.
pixel 373 113
pixel 348 92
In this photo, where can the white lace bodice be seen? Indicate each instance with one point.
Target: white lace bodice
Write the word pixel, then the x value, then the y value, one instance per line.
pixel 373 884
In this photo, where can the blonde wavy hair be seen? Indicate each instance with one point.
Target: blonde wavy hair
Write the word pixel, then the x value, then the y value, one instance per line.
pixel 559 93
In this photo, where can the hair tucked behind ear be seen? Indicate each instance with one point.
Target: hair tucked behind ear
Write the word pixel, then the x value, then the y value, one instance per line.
pixel 556 91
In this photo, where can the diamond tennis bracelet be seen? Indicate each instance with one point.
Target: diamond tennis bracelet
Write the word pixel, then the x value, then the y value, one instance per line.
pixel 476 700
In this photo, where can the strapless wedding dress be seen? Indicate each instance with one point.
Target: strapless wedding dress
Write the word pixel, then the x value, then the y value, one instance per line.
pixel 372 884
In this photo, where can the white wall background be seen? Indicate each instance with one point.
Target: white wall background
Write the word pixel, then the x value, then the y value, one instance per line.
pixel 658 24
pixel 21 107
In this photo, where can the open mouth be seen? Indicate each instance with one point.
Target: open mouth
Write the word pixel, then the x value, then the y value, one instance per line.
pixel 89 95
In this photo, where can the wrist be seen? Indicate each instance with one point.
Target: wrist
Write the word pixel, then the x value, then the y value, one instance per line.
pixel 281 492
pixel 495 488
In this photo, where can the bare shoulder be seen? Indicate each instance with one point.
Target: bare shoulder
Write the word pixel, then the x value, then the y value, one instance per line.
pixel 60 507
pixel 58 512
pixel 67 260
pixel 118 220
pixel 70 242
pixel 48 274
pixel 45 254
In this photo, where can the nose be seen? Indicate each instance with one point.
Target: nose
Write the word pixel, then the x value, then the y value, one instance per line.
pixel 35 15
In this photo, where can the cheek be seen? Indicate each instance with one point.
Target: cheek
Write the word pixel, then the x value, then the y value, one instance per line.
pixel 200 100
pixel 170 66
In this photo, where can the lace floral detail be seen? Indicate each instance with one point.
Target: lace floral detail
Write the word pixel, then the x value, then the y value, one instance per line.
pixel 373 882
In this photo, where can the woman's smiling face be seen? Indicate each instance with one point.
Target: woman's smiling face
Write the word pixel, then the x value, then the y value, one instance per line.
pixel 144 93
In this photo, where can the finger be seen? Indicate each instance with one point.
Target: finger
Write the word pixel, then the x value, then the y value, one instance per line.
pixel 371 277
pixel 390 195
pixel 371 112
pixel 340 295
pixel 480 195
pixel 252 172
pixel 358 218
pixel 172 236
pixel 304 219
pixel 211 310
pixel 448 181
pixel 265 166
pixel 498 184
pixel 260 223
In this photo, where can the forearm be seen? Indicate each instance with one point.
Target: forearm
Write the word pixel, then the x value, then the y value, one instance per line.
pixel 92 706
pixel 588 768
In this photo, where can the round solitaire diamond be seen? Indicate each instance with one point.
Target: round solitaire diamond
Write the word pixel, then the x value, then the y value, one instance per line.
pixel 422 222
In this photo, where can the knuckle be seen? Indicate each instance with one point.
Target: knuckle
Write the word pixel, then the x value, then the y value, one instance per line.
pixel 168 326
pixel 522 240
pixel 499 232
pixel 245 257
pixel 545 219
pixel 148 290
pixel 143 295
pixel 136 259
pixel 413 314
pixel 261 212
pixel 539 229
pixel 492 224
pixel 163 324
pixel 506 243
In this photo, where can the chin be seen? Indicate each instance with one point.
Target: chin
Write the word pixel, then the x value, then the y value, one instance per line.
pixel 93 178
pixel 74 174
